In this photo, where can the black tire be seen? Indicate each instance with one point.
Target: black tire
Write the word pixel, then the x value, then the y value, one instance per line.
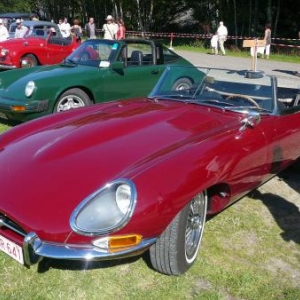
pixel 176 249
pixel 28 61
pixel 182 84
pixel 72 98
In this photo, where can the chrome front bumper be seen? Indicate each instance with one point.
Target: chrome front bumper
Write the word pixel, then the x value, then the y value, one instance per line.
pixel 7 67
pixel 34 250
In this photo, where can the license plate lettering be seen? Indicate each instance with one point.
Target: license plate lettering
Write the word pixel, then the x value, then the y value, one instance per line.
pixel 12 249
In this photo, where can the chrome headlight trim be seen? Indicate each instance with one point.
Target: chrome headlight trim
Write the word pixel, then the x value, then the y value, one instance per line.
pixel 4 52
pixel 30 88
pixel 106 210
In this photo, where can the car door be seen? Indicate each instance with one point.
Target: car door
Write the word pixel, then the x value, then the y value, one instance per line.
pixel 136 79
pixel 58 48
pixel 283 134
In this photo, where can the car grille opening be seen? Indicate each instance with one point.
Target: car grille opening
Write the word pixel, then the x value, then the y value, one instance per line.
pixel 8 224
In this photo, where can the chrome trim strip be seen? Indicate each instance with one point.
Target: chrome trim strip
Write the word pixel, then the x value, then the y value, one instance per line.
pixel 6 224
pixel 34 250
pixel 7 67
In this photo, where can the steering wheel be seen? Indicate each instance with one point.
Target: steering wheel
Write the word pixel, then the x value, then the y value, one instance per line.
pixel 249 99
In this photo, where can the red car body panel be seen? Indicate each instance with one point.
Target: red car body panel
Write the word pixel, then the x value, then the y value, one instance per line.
pixel 187 149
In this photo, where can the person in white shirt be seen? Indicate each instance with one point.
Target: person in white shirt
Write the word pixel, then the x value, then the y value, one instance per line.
pixel 110 28
pixel 3 32
pixel 222 33
pixel 214 43
pixel 21 30
pixel 65 28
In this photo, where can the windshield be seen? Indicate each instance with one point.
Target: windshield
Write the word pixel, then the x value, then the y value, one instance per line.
pixel 227 89
pixel 94 53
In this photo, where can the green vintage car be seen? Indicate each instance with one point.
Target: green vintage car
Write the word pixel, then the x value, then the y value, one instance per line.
pixel 97 71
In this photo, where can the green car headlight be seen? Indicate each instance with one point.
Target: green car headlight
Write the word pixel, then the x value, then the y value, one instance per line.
pixel 29 89
pixel 106 210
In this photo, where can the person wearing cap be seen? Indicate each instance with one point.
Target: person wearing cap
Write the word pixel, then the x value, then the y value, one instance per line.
pixel 110 28
pixel 20 30
pixel 3 32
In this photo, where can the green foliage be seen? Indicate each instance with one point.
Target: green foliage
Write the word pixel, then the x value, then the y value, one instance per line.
pixel 243 17
pixel 16 6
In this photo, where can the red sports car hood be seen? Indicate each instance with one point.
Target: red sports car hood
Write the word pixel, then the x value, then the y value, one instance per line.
pixel 48 166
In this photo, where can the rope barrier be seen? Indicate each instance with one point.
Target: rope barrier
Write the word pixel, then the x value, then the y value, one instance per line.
pixel 196 36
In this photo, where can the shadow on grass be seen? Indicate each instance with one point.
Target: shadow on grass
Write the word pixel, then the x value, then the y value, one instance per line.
pixel 285 213
pixel 46 264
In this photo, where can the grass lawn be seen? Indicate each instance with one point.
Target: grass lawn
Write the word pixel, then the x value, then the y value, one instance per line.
pixel 249 251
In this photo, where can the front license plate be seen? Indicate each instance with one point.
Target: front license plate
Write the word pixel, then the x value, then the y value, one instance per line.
pixel 12 249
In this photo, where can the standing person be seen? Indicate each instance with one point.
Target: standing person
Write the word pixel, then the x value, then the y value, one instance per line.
pixel 65 28
pixel 267 40
pixel 90 29
pixel 214 43
pixel 3 32
pixel 109 28
pixel 60 21
pixel 121 30
pixel 21 30
pixel 77 30
pixel 222 33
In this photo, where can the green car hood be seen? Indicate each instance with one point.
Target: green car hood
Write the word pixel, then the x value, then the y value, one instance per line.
pixel 13 83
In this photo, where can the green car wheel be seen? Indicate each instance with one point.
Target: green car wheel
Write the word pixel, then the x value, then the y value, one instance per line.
pixel 71 99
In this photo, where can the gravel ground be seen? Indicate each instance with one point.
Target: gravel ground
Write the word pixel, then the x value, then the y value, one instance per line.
pixel 285 72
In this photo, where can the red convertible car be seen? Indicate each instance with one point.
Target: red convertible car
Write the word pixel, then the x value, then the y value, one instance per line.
pixel 116 179
pixel 43 44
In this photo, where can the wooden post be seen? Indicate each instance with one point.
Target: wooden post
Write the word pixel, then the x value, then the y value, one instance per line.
pixel 254 44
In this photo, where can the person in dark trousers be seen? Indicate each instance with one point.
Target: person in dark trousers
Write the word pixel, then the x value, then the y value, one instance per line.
pixel 90 29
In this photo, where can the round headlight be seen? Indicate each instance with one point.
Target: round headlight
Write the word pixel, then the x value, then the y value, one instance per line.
pixel 123 196
pixel 29 89
pixel 106 210
pixel 3 51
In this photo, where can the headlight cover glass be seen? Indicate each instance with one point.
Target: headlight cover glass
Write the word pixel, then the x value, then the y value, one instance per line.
pixel 3 52
pixel 106 210
pixel 29 89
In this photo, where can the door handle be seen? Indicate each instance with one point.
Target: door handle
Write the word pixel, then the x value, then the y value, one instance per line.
pixel 154 72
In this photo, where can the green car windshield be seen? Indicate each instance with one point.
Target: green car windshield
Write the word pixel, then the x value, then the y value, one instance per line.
pixel 94 53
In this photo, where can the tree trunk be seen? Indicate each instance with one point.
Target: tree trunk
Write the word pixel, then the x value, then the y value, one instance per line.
pixel 276 18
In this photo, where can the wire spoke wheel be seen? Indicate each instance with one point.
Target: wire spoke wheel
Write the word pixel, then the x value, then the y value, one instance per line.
pixel 176 249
